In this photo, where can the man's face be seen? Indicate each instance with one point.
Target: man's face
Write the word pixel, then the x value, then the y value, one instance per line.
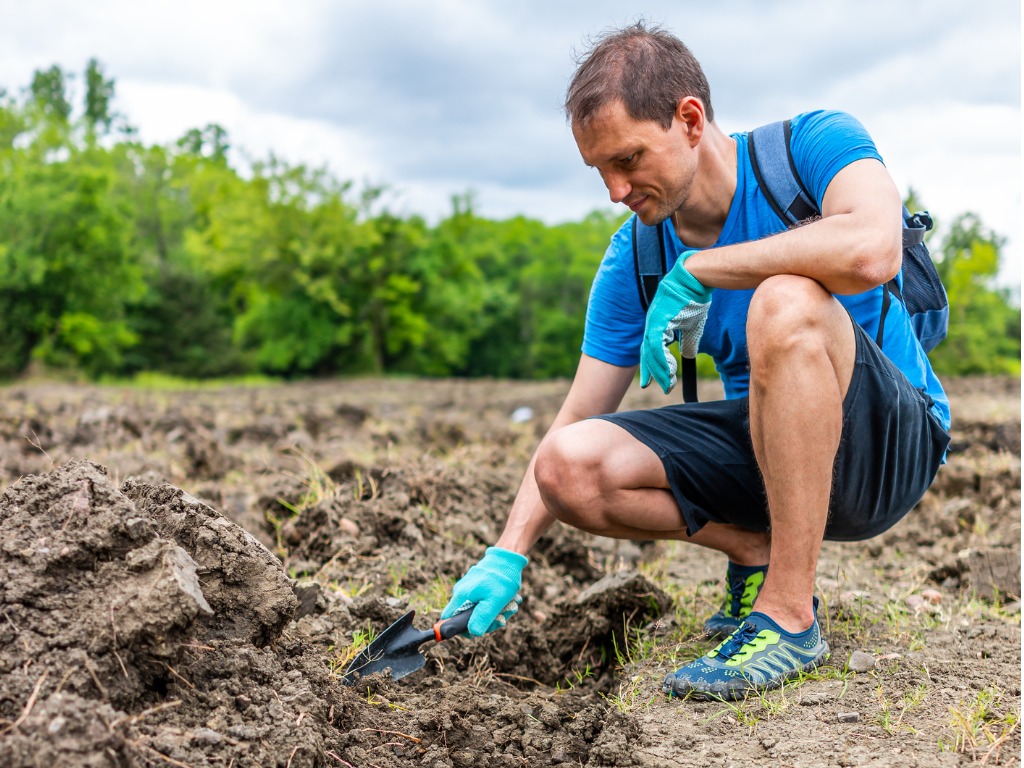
pixel 644 166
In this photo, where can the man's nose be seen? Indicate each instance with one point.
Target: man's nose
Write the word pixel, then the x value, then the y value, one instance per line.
pixel 618 187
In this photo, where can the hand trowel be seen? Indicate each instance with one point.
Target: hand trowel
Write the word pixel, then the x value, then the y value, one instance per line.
pixel 397 647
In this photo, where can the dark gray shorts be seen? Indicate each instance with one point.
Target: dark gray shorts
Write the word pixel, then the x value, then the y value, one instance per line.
pixel 891 448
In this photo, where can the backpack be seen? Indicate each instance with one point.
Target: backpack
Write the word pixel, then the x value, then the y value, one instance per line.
pixel 922 293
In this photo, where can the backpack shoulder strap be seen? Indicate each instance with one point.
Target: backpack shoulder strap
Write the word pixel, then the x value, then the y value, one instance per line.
pixel 651 264
pixel 649 258
pixel 776 174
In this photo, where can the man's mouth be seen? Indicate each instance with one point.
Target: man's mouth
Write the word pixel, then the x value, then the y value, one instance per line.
pixel 637 203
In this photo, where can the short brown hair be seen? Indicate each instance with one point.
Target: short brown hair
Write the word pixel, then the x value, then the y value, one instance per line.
pixel 647 68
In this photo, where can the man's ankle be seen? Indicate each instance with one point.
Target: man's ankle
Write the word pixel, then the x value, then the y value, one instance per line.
pixel 793 620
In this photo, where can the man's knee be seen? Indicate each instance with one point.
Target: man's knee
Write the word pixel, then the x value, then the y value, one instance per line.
pixel 568 474
pixel 786 313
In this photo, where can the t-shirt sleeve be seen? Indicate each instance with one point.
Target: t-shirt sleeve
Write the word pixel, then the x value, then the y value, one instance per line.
pixel 823 143
pixel 615 319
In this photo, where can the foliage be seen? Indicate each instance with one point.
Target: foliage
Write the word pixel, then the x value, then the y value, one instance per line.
pixel 984 326
pixel 119 258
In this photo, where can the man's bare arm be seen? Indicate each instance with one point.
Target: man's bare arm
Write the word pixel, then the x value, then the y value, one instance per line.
pixel 597 388
pixel 855 246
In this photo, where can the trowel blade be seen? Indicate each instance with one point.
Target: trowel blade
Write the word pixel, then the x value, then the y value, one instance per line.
pixel 396 648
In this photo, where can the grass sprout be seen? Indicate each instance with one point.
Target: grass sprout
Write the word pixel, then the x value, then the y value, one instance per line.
pixel 338 659
pixel 981 725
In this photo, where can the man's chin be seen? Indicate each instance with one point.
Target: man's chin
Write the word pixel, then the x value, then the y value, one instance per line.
pixel 651 217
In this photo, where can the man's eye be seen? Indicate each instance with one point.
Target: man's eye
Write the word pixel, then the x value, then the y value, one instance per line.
pixel 630 160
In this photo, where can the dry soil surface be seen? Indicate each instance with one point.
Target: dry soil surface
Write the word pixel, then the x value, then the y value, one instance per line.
pixel 187 573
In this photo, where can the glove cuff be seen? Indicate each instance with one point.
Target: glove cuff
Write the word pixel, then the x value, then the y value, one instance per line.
pixel 506 562
pixel 683 276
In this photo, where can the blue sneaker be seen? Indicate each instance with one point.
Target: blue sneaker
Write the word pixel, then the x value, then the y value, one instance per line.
pixel 744 585
pixel 758 656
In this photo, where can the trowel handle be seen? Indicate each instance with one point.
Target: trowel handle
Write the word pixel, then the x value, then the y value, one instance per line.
pixel 456 625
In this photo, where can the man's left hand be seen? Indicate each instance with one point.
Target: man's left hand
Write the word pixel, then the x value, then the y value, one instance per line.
pixel 680 304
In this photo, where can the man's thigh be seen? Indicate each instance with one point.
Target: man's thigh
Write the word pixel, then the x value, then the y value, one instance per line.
pixel 596 446
pixel 708 460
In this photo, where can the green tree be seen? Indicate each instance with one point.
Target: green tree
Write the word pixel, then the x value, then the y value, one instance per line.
pixel 99 93
pixel 66 273
pixel 984 326
pixel 282 247
pixel 49 93
pixel 210 142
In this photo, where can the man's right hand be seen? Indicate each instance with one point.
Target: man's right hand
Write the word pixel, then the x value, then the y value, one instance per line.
pixel 680 305
pixel 492 586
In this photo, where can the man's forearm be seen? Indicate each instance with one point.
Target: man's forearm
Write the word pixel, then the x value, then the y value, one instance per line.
pixel 855 246
pixel 529 519
pixel 831 251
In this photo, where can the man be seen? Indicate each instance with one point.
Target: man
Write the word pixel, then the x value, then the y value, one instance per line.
pixel 821 435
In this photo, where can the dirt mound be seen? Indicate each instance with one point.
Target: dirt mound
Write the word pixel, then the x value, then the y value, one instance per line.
pixel 141 625
pixel 115 601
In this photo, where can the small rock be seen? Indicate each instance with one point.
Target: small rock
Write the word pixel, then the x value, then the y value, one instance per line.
pixel 291 534
pixel 412 534
pixel 914 603
pixel 521 415
pixel 932 596
pixel 1013 607
pixel 348 528
pixel 812 698
pixel 860 662
pixel 890 657
pixel 848 717
pixel 206 736
pixel 306 593
pixel 137 528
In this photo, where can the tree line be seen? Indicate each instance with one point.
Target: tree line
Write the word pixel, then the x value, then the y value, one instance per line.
pixel 118 257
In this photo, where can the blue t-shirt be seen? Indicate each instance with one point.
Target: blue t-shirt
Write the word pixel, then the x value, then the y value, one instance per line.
pixel 823 143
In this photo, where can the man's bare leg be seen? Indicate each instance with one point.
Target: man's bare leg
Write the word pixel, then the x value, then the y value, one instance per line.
pixel 802 353
pixel 595 476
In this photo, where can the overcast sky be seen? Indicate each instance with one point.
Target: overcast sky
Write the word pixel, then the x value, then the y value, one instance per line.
pixel 439 97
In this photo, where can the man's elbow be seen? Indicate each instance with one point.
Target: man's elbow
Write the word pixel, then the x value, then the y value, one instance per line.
pixel 878 260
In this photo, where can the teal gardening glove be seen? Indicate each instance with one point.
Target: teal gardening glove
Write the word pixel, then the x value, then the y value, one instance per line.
pixel 680 305
pixel 493 586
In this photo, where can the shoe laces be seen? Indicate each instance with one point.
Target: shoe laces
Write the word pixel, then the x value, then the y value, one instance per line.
pixel 735 643
pixel 737 586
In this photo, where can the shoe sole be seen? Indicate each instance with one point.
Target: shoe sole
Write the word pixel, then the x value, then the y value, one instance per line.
pixel 740 691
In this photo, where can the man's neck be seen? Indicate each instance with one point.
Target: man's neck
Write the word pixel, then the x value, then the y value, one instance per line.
pixel 699 221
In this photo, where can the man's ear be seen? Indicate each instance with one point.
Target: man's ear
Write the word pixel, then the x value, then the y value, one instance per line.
pixel 690 115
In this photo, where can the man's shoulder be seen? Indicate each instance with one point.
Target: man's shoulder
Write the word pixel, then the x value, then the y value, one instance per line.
pixel 828 126
pixel 825 121
pixel 823 142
